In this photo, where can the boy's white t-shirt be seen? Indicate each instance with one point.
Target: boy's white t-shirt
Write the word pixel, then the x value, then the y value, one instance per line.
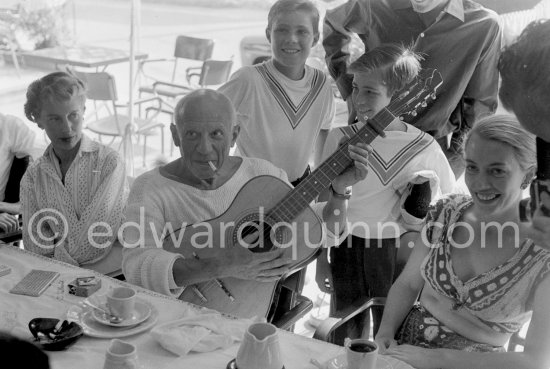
pixel 280 118
pixel 375 207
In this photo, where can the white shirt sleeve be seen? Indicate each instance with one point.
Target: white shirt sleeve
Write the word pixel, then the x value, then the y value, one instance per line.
pixel 143 263
pixel 22 138
pixel 330 108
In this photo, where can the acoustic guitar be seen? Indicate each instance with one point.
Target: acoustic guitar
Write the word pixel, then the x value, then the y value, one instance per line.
pixel 268 213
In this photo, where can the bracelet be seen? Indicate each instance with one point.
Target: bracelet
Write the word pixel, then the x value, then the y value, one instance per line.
pixel 345 196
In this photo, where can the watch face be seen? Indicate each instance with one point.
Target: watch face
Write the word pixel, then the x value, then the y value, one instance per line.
pixel 346 195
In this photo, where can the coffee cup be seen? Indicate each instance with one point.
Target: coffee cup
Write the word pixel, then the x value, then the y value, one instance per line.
pixel 260 348
pixel 361 353
pixel 121 302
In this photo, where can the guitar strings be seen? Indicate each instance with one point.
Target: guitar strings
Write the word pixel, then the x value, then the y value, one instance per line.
pixel 395 108
pixel 341 155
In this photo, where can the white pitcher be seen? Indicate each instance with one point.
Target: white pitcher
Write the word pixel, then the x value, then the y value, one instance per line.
pixel 260 348
pixel 121 355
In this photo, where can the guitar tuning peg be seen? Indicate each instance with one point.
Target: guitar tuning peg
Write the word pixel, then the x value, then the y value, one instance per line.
pixel 434 96
pixel 401 118
pixel 414 113
pixel 424 104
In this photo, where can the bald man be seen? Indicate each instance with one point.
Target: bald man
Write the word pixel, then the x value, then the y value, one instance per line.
pixel 201 185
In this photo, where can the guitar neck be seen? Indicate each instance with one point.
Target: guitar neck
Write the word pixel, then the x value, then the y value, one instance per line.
pixel 411 99
pixel 321 178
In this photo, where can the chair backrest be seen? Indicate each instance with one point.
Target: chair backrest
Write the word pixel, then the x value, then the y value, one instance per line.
pixel 100 85
pixel 215 72
pixel 193 48
pixel 101 90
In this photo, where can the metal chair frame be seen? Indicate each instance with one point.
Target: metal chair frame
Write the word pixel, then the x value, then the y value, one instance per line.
pixel 102 90
pixel 213 72
pixel 186 48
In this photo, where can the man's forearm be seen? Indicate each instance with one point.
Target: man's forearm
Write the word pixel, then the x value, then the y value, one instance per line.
pixel 191 271
pixel 6 207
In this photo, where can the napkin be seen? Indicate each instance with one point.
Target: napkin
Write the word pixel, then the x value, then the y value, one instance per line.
pixel 200 333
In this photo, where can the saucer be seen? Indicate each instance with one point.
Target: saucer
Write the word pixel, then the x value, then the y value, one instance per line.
pixel 93 328
pixel 233 365
pixel 382 362
pixel 142 311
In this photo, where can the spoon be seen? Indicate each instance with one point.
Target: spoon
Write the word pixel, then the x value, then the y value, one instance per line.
pixel 113 319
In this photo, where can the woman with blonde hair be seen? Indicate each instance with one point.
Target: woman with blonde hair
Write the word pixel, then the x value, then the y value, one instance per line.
pixel 73 196
pixel 473 278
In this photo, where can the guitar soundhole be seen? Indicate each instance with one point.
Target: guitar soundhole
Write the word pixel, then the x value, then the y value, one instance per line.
pixel 255 235
pixel 255 238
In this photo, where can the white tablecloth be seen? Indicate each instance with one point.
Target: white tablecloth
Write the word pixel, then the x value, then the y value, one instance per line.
pixel 89 353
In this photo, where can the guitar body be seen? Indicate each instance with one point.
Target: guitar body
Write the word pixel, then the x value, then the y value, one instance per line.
pixel 248 212
pixel 263 202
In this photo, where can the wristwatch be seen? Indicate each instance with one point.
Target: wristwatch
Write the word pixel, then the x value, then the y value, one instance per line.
pixel 346 195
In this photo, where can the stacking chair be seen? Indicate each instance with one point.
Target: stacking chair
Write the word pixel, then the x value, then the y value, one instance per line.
pixel 288 319
pixel 291 305
pixel 187 48
pixel 102 91
pixel 212 73
pixel 326 329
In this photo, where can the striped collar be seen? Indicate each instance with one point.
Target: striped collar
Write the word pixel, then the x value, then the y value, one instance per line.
pixel 294 113
pixel 388 167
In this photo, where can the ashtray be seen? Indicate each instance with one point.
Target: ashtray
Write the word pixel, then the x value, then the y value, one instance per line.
pixel 233 365
pixel 54 334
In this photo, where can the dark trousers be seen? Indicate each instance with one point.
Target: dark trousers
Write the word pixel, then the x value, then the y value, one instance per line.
pixel 361 268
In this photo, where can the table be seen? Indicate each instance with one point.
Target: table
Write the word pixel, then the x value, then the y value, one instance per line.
pixel 89 353
pixel 85 56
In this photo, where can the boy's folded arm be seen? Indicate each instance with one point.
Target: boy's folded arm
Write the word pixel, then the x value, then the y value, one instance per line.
pixel 416 197
pixel 418 201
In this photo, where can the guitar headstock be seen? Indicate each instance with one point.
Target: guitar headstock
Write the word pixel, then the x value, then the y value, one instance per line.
pixel 417 93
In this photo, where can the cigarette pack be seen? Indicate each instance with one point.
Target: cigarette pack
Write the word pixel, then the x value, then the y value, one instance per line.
pixel 84 286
